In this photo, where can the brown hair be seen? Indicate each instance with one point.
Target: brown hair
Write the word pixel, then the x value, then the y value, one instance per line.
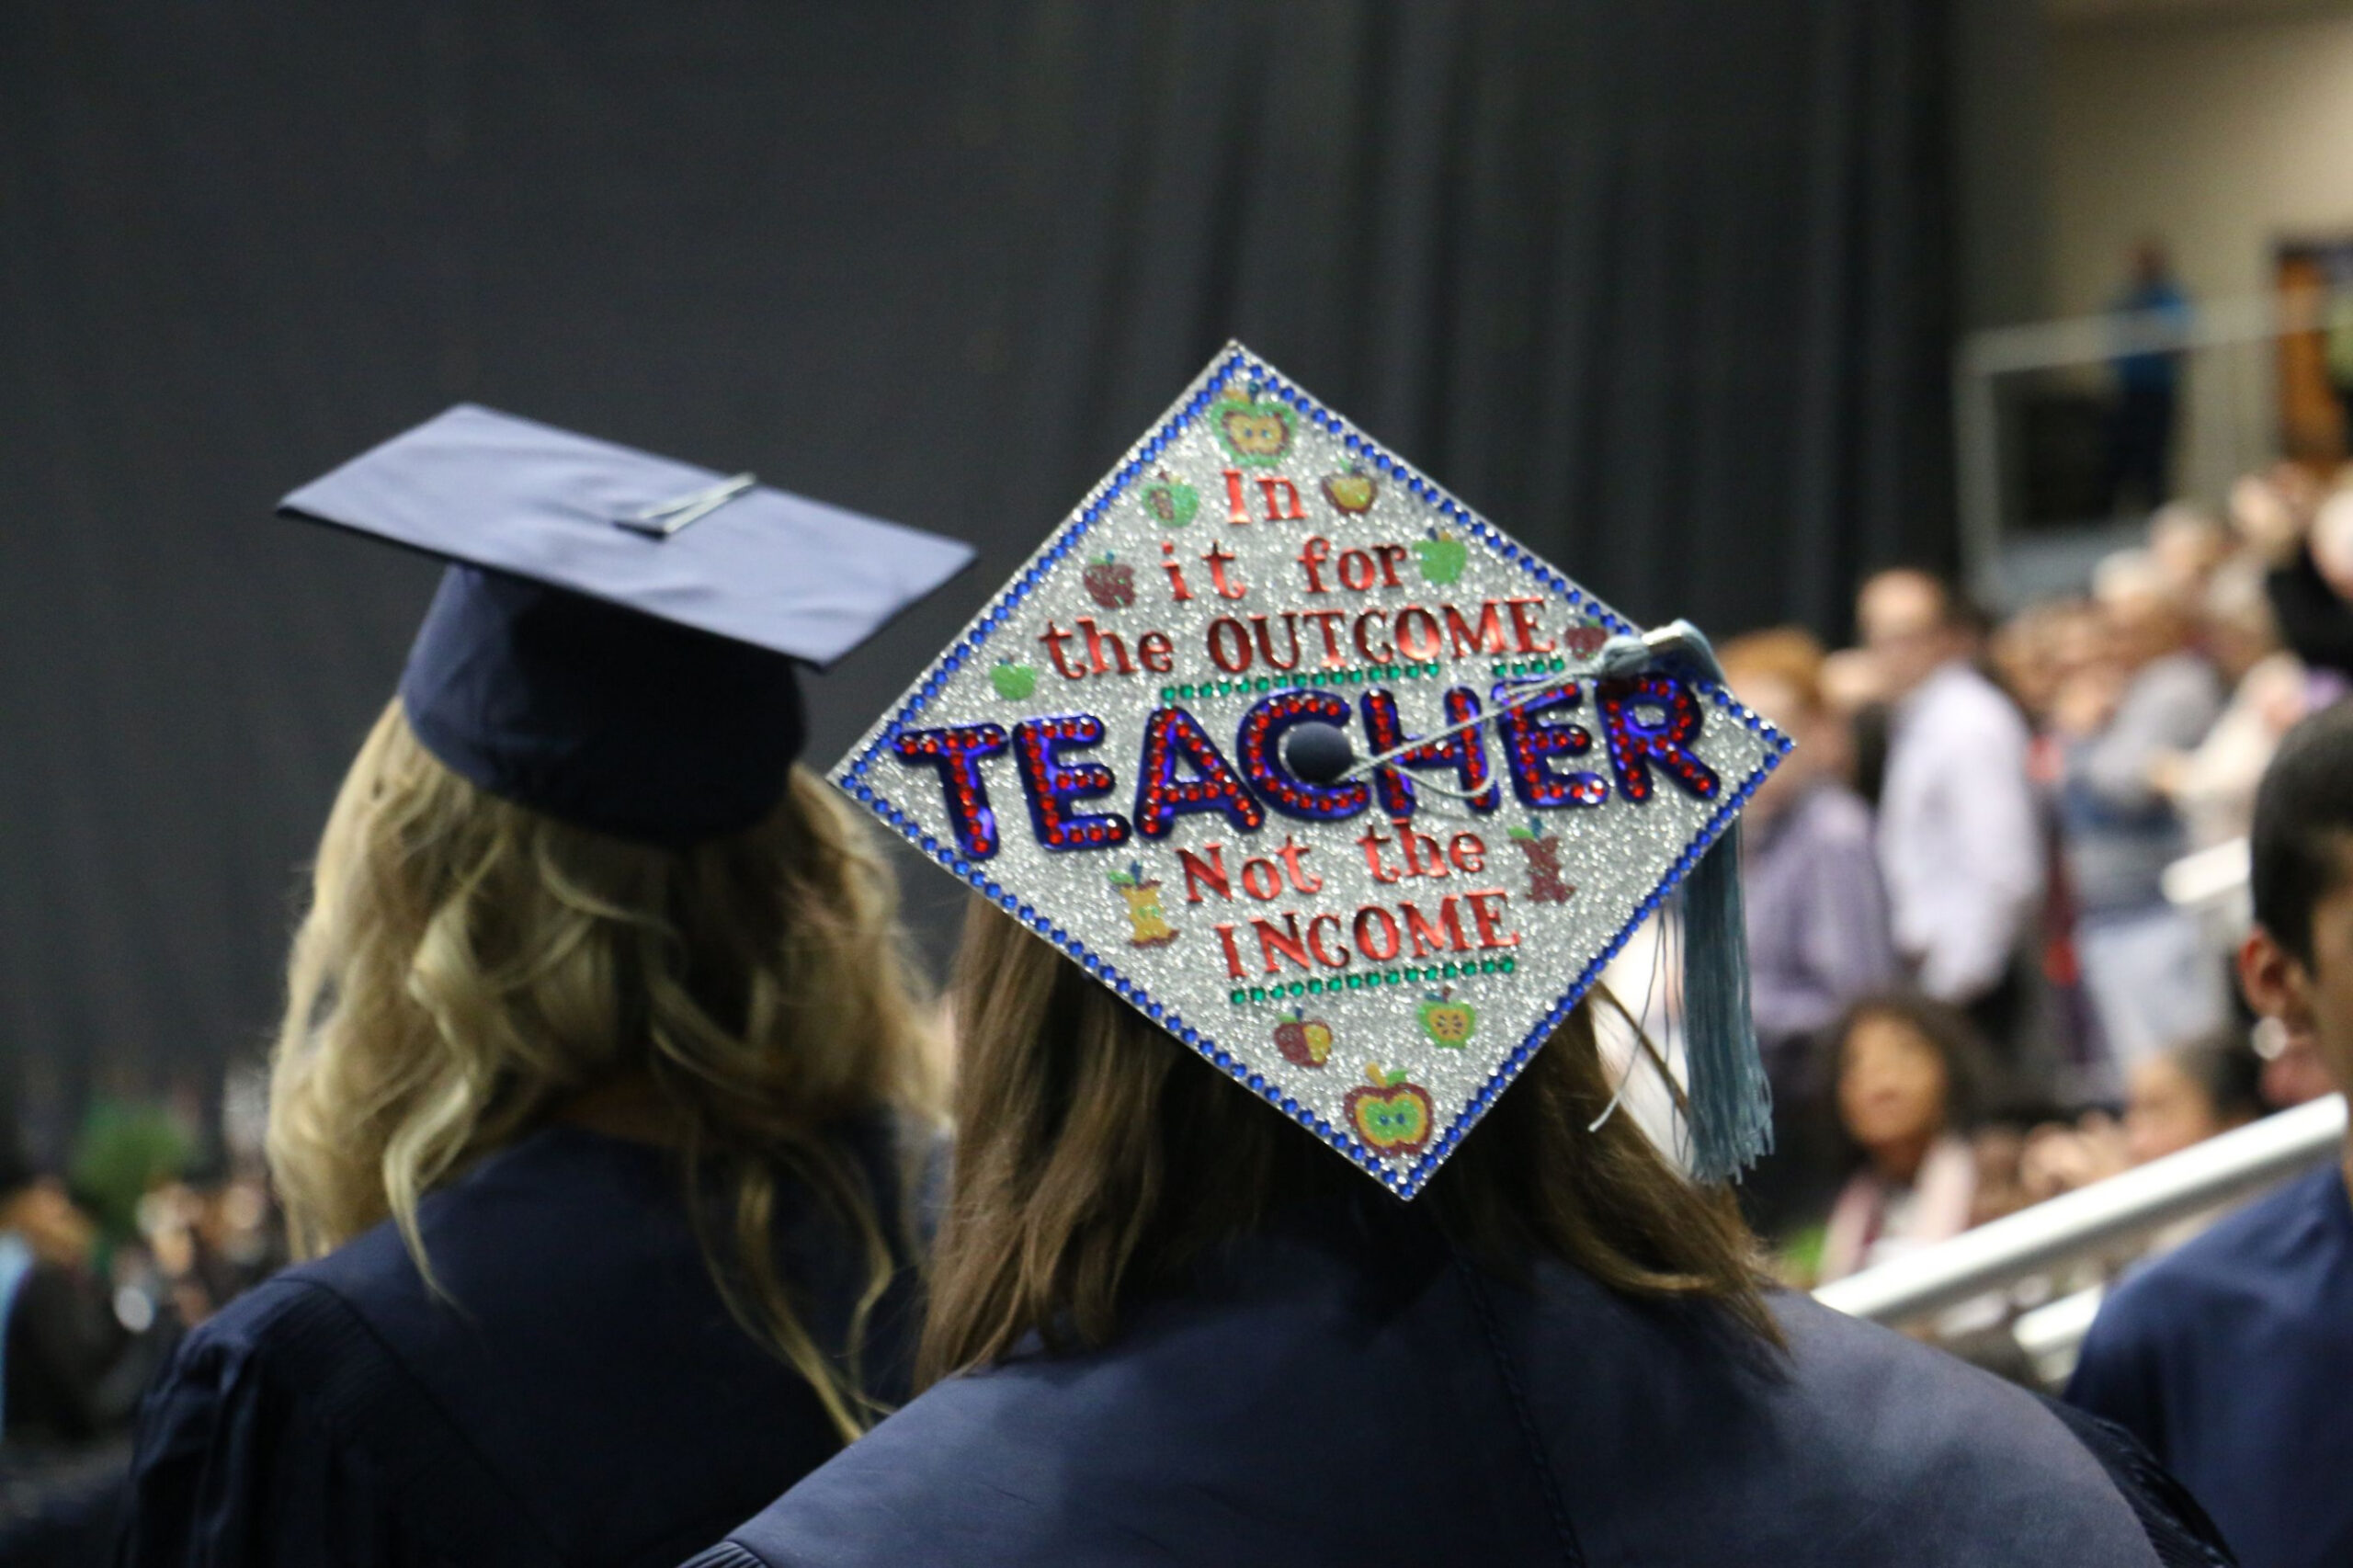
pixel 467 966
pixel 1096 1157
pixel 1790 654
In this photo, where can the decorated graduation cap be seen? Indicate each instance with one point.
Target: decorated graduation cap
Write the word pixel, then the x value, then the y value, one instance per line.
pixel 1334 781
pixel 613 642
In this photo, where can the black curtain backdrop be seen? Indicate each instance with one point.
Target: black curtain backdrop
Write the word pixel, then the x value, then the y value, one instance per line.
pixel 1659 286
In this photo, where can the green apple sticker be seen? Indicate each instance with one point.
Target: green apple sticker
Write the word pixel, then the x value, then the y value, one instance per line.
pixel 1255 433
pixel 1392 1116
pixel 1013 680
pixel 1172 501
pixel 1446 1021
pixel 1442 557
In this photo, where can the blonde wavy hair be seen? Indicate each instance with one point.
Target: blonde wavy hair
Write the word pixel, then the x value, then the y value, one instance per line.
pixel 467 967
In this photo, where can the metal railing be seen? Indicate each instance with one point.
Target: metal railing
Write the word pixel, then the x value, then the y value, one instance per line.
pixel 2093 1219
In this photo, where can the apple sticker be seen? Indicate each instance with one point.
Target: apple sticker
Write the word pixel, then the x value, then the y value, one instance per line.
pixel 1109 584
pixel 1256 433
pixel 1013 680
pixel 1303 1041
pixel 1392 1116
pixel 1148 928
pixel 1583 638
pixel 1545 883
pixel 1441 557
pixel 1447 1022
pixel 1172 501
pixel 1352 492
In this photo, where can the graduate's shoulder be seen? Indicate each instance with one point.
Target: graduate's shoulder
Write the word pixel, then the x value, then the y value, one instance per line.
pixel 2236 1268
pixel 1915 1439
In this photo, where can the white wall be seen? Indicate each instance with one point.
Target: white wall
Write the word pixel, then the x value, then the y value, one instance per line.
pixel 2221 134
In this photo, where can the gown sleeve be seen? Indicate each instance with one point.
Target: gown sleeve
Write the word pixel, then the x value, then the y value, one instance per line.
pixel 2115 1377
pixel 233 1466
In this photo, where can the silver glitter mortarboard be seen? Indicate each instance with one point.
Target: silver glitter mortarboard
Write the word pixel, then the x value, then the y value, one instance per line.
pixel 1336 782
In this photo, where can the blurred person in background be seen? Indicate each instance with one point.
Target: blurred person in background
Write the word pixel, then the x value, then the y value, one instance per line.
pixel 2173 1100
pixel 2311 589
pixel 2231 1356
pixel 2213 785
pixel 2120 725
pixel 1912 1079
pixel 2190 1094
pixel 1854 696
pixel 60 1342
pixel 2034 651
pixel 70 1374
pixel 2270 510
pixel 2189 544
pixel 1817 924
pixel 1960 841
pixel 2152 309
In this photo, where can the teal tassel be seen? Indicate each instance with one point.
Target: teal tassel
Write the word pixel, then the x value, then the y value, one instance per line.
pixel 1729 1102
pixel 1730 1105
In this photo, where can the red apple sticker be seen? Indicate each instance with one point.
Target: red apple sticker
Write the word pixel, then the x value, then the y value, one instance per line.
pixel 1584 637
pixel 1392 1116
pixel 1545 882
pixel 1304 1041
pixel 1109 584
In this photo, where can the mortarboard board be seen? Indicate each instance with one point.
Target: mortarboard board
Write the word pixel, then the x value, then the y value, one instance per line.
pixel 1339 785
pixel 613 641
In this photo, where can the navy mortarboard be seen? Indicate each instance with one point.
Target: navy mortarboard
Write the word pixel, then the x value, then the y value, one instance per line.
pixel 614 641
pixel 1342 787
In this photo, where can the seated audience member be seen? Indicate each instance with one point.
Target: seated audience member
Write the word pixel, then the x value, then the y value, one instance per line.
pixel 601 1069
pixel 2231 1356
pixel 2190 1094
pixel 1959 839
pixel 1910 1079
pixel 2172 1100
pixel 1816 914
pixel 2146 964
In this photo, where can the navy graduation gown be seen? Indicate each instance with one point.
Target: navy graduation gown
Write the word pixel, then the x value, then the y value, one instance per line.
pixel 587 1400
pixel 1351 1393
pixel 2232 1359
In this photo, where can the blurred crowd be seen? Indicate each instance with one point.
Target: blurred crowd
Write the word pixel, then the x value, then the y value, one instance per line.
pixel 107 1257
pixel 1994 892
